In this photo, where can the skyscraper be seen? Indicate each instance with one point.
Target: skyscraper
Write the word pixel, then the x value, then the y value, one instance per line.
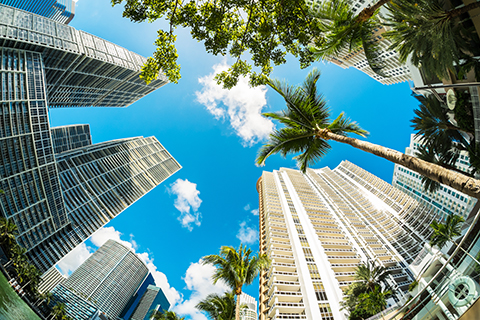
pixel 107 279
pixel 444 201
pixel 152 300
pixel 80 69
pixel 45 64
pixel 317 227
pixel 61 11
pixel 98 182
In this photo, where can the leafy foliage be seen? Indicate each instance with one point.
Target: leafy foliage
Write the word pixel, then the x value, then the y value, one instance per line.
pixel 433 37
pixel 266 30
pixel 445 232
pixel 365 297
pixel 165 315
pixel 219 307
pixel 346 32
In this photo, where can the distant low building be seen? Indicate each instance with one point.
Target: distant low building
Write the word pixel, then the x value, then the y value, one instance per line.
pixel 153 300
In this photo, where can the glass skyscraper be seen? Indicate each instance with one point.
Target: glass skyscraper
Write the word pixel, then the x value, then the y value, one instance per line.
pixel 317 227
pixel 61 11
pixel 107 280
pixel 58 187
pixel 80 69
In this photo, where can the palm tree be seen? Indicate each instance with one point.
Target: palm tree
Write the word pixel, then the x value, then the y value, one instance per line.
pixel 370 275
pixel 165 315
pixel 59 311
pixel 448 231
pixel 307 130
pixel 219 307
pixel 343 31
pixel 433 37
pixel 8 231
pixel 432 122
pixel 236 267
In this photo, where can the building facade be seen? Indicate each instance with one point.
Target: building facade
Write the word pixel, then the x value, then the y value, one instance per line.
pixel 250 310
pixel 317 227
pixel 135 299
pixel 445 201
pixel 108 278
pixel 66 138
pixel 80 69
pixel 61 11
pixel 152 300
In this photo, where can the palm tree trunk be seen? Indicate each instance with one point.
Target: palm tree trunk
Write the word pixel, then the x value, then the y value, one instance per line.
pixel 458 181
pixel 457 12
pixel 367 13
pixel 237 307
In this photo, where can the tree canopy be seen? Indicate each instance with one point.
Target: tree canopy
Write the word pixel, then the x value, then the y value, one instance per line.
pixel 266 30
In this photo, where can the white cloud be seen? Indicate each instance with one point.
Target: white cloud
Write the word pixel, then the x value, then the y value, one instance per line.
pixel 241 106
pixel 255 212
pixel 187 198
pixel 104 234
pixel 198 281
pixel 74 259
pixel 246 234
pixel 247 207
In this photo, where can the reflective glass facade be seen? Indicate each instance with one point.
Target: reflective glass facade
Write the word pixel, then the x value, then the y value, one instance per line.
pixel 59 188
pixel 71 137
pixel 61 11
pixel 153 299
pixel 108 278
pixel 81 70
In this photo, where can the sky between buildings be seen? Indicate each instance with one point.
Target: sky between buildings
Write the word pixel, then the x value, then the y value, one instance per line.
pixel 214 134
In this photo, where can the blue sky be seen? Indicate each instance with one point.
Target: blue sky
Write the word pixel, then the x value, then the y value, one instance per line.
pixel 214 134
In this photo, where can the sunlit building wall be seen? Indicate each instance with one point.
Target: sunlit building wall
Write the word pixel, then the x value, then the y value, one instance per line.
pixel 100 181
pixel 249 312
pixel 317 227
pixel 108 278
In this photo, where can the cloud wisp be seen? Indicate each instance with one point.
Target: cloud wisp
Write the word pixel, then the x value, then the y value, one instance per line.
pixel 187 202
pixel 198 281
pixel 241 106
pixel 246 234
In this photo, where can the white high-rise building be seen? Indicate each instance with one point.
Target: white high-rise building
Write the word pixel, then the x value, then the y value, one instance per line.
pixel 317 227
pixel 444 201
pixel 250 310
